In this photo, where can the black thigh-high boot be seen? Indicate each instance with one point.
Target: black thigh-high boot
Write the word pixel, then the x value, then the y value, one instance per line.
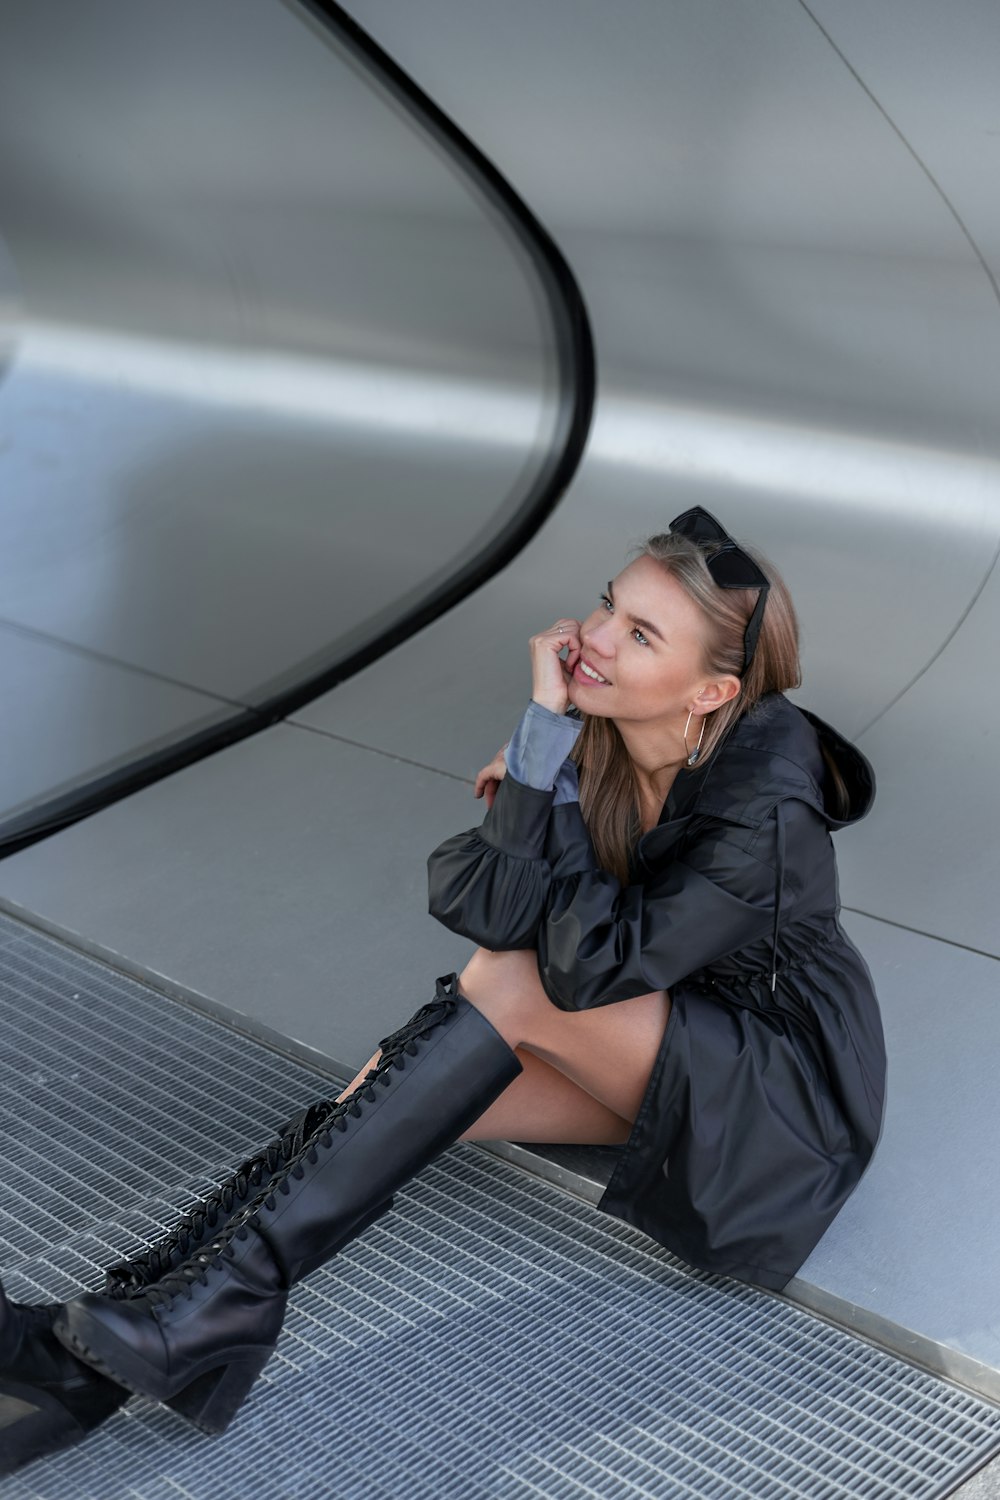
pixel 49 1399
pixel 199 1337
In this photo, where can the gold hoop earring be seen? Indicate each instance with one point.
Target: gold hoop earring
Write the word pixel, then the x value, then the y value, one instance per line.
pixel 694 754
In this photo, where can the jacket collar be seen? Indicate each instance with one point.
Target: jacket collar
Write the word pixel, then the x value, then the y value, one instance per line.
pixel 773 753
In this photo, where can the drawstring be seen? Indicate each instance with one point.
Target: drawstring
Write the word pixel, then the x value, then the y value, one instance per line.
pixel 779 884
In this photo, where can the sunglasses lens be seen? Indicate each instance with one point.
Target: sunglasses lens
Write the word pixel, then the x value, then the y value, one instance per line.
pixel 698 526
pixel 734 570
pixel 730 567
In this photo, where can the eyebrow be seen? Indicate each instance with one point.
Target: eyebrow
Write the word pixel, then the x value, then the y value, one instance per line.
pixel 646 625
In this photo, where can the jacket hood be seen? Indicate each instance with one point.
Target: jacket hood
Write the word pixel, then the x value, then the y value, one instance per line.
pixel 775 752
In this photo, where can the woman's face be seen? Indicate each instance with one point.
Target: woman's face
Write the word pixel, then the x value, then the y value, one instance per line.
pixel 644 641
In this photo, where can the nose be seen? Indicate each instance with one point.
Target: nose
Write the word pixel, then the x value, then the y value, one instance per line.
pixel 595 637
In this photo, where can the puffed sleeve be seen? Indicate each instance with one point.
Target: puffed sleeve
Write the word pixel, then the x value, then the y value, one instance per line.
pixel 490 883
pixel 599 942
pixel 529 878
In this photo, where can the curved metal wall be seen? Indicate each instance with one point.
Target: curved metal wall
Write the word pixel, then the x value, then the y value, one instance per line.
pixel 787 237
pixel 783 220
pixel 279 369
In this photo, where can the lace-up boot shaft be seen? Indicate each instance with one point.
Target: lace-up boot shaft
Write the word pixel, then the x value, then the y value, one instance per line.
pixel 435 1077
pixel 199 1224
pixel 50 1399
pixel 198 1338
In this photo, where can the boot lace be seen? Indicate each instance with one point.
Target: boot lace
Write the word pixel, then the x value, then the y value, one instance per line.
pixel 134 1275
pixel 181 1279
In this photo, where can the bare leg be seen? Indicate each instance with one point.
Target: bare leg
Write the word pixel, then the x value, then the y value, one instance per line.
pixel 371 1063
pixel 542 1104
pixel 585 1072
pixel 607 1053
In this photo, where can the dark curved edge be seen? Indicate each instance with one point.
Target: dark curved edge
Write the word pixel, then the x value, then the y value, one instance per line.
pixel 574 348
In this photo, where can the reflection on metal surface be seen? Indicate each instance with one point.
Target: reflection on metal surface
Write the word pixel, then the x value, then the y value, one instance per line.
pixel 883 478
pixel 9 309
pixel 297 368
pixel 429 405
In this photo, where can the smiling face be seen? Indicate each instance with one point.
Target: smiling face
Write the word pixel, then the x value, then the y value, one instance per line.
pixel 644 641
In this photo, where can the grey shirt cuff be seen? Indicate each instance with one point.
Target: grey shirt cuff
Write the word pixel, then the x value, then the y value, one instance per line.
pixel 538 750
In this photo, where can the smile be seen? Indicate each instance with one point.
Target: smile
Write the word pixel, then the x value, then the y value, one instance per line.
pixel 587 673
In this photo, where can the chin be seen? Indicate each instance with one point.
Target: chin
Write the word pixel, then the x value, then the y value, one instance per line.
pixel 579 698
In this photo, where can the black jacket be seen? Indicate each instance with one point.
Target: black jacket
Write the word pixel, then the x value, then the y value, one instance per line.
pixel 766 1099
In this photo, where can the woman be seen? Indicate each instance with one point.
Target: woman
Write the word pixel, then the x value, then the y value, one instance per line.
pixel 661 966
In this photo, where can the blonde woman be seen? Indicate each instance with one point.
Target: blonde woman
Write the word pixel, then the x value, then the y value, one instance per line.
pixel 660 965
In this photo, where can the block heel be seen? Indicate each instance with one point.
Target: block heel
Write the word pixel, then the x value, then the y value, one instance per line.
pixel 212 1401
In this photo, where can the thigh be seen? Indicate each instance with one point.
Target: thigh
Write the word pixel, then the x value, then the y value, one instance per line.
pixel 542 1104
pixel 608 1051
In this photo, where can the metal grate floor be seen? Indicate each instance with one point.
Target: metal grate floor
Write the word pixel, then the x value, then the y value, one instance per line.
pixel 491 1339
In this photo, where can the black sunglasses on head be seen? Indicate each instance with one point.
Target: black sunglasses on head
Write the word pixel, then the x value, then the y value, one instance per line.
pixel 729 566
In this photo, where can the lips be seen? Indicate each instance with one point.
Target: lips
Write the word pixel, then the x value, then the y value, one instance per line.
pixel 582 672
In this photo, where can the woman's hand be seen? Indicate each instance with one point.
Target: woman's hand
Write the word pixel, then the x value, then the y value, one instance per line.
pixel 550 675
pixel 491 776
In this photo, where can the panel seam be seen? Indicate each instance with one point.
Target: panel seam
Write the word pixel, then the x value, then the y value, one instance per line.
pixel 925 169
pixel 995 288
pixel 934 937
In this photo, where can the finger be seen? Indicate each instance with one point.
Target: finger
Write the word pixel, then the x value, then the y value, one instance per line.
pixel 562 630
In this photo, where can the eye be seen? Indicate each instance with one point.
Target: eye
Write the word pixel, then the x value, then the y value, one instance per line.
pixel 608 602
pixel 639 636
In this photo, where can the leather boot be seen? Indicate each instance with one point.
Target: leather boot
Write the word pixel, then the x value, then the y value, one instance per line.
pixel 199 1337
pixel 199 1224
pixel 49 1399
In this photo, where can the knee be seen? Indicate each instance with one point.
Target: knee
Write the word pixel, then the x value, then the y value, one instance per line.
pixel 507 969
pixel 505 986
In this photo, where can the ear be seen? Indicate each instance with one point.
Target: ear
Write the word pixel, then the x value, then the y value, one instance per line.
pixel 715 693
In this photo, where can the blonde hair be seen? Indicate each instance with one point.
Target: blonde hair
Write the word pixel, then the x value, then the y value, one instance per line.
pixel 609 796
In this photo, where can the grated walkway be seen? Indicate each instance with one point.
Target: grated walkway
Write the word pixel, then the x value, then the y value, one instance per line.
pixel 493 1338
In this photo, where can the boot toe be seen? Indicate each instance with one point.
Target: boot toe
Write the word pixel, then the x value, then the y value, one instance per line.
pixel 119 1339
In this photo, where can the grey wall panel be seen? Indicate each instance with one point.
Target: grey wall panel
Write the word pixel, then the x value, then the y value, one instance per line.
pixel 210 544
pixel 935 73
pixel 288 885
pixel 227 174
pixel 271 362
pixel 929 855
pixel 742 217
pixel 64 713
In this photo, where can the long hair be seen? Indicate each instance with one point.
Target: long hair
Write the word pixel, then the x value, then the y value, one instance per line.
pixel 609 797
